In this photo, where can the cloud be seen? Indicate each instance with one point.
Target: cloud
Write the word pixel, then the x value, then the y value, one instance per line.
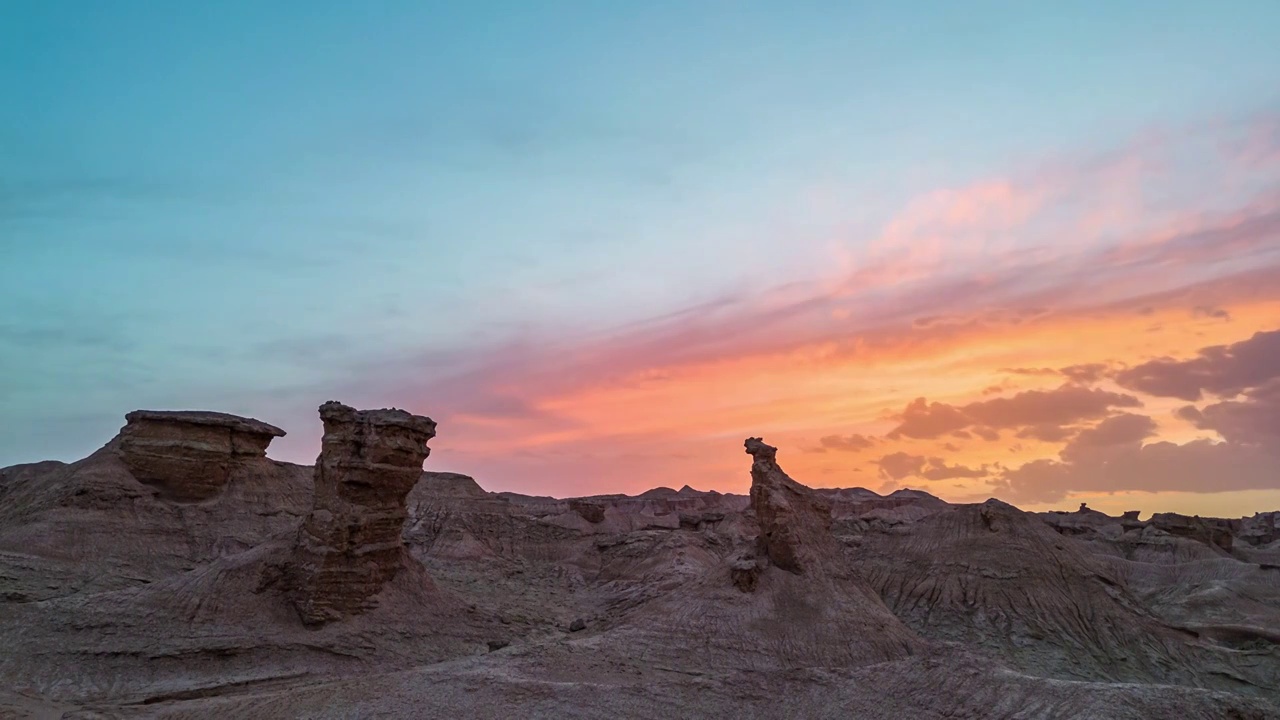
pixel 1125 428
pixel 846 443
pixel 1222 370
pixel 1064 405
pixel 1085 373
pixel 938 470
pixel 1112 457
pixel 922 419
pixel 1046 433
pixel 1029 371
pixel 896 466
pixel 1252 420
pixel 899 465
pixel 1037 413
pixel 1197 466
pixel 1211 312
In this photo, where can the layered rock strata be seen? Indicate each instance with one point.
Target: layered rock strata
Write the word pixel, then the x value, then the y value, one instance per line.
pixel 349 547
pixel 190 456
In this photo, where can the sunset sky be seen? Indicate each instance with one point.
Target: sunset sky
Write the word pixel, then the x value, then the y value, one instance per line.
pixel 979 249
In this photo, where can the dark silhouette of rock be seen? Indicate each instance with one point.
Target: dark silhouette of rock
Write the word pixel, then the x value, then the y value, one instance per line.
pixel 577 625
pixel 350 544
pixel 497 645
pixel 190 456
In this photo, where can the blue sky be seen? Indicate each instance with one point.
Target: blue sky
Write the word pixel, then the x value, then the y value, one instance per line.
pixel 250 206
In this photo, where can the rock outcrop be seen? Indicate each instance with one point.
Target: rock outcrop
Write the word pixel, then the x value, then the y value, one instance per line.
pixel 190 456
pixel 793 519
pixel 1261 529
pixel 592 512
pixel 350 544
pixel 1214 532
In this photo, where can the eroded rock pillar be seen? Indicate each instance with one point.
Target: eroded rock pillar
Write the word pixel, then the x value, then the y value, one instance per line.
pixel 794 521
pixel 349 547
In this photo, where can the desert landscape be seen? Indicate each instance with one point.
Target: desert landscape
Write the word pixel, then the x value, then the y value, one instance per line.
pixel 178 572
pixel 735 360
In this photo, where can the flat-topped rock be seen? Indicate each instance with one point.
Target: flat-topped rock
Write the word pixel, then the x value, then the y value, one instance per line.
pixel 190 455
pixel 248 425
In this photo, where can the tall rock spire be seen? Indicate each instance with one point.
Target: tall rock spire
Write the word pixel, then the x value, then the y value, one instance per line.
pixel 350 544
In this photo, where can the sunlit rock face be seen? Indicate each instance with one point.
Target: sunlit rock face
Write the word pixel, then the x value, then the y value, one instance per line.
pixel 350 544
pixel 190 456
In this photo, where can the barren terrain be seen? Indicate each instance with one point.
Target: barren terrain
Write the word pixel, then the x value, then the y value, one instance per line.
pixel 180 573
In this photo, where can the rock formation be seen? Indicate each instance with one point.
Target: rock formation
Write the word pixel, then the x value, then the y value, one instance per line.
pixel 790 602
pixel 793 519
pixel 1261 529
pixel 190 456
pixel 350 544
pixel 1214 532
pixel 592 512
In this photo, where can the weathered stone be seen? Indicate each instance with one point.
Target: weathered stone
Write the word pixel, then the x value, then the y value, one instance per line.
pixel 592 512
pixel 745 573
pixel 190 456
pixel 350 544
pixel 1214 532
pixel 577 625
pixel 1261 529
pixel 792 518
pixel 695 520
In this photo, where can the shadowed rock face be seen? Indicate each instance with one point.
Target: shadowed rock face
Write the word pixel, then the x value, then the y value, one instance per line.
pixel 1210 531
pixel 794 520
pixel 592 512
pixel 188 455
pixel 1261 529
pixel 350 545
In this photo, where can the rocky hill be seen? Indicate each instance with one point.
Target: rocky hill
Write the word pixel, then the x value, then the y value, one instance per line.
pixel 180 573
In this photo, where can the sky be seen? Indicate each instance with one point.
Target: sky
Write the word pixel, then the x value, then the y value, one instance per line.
pixel 1021 250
